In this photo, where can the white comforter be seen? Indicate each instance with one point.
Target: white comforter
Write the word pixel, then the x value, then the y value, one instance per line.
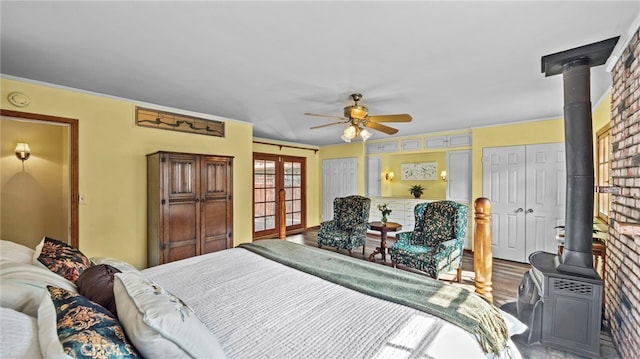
pixel 262 309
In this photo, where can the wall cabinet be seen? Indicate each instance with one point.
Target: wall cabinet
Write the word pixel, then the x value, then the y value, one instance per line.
pixel 457 140
pixel 382 147
pixel 411 144
pixel 189 205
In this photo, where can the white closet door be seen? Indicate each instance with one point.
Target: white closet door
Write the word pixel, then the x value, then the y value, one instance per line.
pixel 545 197
pixel 374 177
pixel 503 182
pixel 459 176
pixel 527 189
pixel 339 179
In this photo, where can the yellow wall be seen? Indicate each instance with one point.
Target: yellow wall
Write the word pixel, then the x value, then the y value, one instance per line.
pixel 112 168
pixel 313 176
pixel 436 189
pixel 602 114
pixel 33 197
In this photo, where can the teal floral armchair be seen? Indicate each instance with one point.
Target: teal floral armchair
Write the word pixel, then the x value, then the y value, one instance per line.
pixel 436 244
pixel 348 228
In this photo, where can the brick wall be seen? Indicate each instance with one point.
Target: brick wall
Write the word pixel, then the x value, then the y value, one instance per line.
pixel 622 287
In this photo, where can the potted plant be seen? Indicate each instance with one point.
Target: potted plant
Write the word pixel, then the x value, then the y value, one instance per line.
pixel 385 212
pixel 416 190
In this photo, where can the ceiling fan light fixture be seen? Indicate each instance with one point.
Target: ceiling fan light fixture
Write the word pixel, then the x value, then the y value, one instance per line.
pixel 365 134
pixel 350 132
pixel 345 139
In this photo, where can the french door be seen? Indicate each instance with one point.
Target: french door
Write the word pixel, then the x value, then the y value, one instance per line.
pixel 278 194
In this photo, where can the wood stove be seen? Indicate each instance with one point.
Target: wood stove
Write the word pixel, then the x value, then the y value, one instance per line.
pixel 560 297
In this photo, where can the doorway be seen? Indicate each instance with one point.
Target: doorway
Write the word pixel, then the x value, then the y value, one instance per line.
pixel 66 194
pixel 279 194
pixel 526 185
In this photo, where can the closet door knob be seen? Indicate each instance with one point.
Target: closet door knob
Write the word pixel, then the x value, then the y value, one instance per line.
pixel 519 210
pixel 530 210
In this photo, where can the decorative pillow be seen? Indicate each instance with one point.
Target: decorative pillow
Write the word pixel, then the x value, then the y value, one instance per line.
pixel 96 283
pixel 160 324
pixel 20 296
pixel 34 275
pixel 72 326
pixel 121 265
pixel 22 286
pixel 18 335
pixel 61 258
pixel 15 252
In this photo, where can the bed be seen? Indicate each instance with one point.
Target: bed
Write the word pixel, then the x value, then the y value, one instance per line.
pixel 261 301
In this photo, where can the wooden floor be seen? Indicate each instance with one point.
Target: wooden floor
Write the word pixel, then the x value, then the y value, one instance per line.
pixel 506 279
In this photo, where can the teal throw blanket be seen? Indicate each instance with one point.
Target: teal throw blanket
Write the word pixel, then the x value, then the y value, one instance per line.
pixel 452 303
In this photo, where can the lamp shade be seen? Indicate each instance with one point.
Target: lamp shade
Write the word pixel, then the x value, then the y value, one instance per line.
pixel 365 134
pixel 23 151
pixel 350 132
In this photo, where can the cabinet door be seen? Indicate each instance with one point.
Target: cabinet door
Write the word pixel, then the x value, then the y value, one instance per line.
pixel 459 140
pixel 435 142
pixel 411 145
pixel 459 176
pixel 215 203
pixel 374 176
pixel 181 209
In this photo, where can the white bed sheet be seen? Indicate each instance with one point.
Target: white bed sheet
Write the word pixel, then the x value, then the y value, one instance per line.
pixel 259 308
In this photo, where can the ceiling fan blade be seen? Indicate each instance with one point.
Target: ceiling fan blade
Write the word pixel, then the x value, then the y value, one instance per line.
pixel 379 127
pixel 391 118
pixel 329 124
pixel 328 116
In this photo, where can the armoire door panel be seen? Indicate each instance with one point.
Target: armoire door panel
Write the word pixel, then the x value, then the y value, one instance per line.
pixel 182 177
pixel 183 224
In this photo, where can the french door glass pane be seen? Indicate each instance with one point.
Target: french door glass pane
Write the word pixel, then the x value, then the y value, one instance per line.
pixel 292 184
pixel 264 183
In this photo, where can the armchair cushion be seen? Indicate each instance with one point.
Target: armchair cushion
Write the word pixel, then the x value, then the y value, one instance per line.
pixel 440 223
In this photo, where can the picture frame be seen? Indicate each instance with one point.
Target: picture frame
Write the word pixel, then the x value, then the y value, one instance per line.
pixel 420 171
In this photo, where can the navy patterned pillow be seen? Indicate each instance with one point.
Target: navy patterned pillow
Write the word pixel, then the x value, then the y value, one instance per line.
pixel 61 258
pixel 86 329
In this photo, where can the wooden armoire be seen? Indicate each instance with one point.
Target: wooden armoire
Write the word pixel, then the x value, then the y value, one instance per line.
pixel 190 205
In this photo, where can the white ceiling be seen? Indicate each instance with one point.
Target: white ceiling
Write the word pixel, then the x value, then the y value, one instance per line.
pixel 451 65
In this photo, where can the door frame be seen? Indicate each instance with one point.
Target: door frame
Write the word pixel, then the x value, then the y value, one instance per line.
pixel 73 164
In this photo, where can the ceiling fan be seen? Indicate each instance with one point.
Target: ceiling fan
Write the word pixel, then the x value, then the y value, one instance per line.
pixel 357 116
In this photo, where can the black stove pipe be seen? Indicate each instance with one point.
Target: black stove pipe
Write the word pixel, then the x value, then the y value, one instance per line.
pixel 577 254
pixel 575 66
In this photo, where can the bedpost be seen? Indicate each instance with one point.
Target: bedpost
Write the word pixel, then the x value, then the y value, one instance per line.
pixel 482 256
pixel 282 215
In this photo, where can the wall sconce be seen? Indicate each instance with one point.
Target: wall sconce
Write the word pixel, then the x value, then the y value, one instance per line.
pixel 23 151
pixel 389 176
pixel 443 175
